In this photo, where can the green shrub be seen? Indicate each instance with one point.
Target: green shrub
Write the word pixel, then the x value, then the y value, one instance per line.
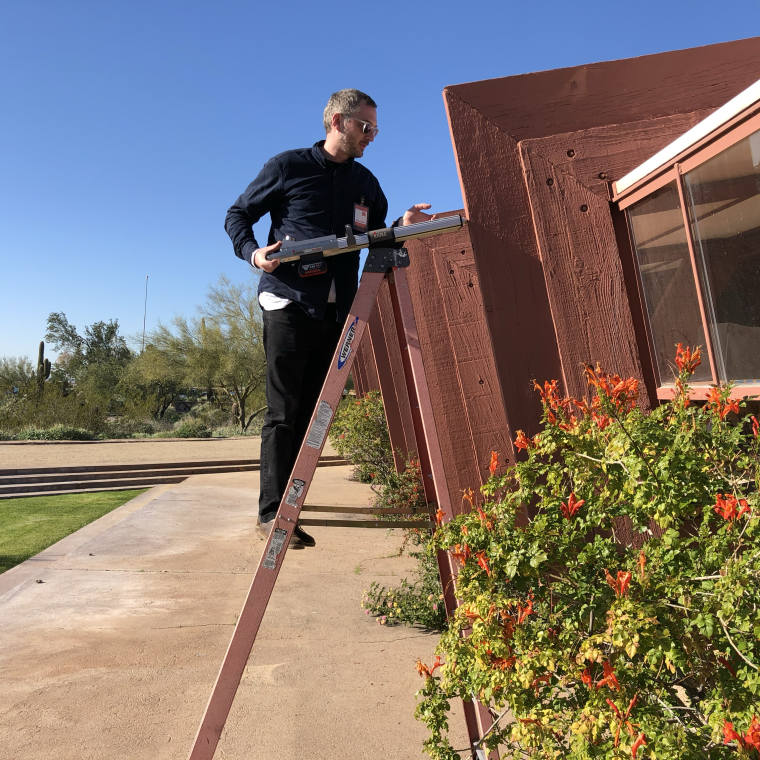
pixel 130 428
pixel 55 433
pixel 360 434
pixel 189 428
pixel 609 584
pixel 233 431
pixel 18 411
pixel 418 603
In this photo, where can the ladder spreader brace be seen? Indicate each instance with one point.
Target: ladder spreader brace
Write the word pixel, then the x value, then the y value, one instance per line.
pixel 385 258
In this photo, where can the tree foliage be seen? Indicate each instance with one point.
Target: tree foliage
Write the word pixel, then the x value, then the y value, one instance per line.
pixel 151 383
pixel 16 374
pixel 94 361
pixel 609 583
pixel 220 350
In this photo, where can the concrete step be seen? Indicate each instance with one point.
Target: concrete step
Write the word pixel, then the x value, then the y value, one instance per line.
pixel 53 481
pixel 41 489
pixel 148 466
pixel 119 472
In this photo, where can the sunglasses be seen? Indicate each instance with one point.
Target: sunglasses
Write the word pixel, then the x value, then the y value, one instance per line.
pixel 367 127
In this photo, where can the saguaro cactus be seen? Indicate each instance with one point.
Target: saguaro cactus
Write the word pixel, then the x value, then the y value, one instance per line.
pixel 43 368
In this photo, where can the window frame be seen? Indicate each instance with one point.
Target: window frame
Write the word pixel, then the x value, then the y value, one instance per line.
pixel 730 133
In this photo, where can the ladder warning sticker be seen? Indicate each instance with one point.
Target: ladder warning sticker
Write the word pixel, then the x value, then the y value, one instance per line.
pixel 319 426
pixel 278 541
pixel 345 349
pixel 295 492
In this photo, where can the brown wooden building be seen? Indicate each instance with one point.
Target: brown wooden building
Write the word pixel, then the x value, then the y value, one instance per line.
pixel 545 277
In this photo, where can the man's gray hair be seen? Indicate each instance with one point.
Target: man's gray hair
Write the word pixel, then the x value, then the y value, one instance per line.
pixel 346 102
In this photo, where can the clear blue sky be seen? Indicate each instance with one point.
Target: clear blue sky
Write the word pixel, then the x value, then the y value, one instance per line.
pixel 127 129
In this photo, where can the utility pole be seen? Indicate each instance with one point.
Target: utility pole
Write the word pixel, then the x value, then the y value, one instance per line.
pixel 145 310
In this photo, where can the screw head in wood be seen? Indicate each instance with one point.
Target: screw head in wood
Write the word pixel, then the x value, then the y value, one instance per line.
pixel 470 285
pixel 602 175
pixel 550 181
pixel 584 208
pixel 570 153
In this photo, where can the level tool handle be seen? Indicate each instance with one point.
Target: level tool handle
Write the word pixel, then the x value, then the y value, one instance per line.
pixel 331 245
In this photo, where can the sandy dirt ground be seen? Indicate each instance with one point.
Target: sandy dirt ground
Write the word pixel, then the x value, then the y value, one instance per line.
pixel 114 654
pixel 131 451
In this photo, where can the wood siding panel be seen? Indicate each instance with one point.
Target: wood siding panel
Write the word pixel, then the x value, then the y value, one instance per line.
pixel 439 359
pixel 470 340
pixel 395 397
pixel 507 260
pixel 406 440
pixel 365 376
pixel 357 373
pixel 584 276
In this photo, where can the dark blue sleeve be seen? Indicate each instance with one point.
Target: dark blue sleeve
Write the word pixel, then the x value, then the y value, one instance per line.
pixel 259 198
pixel 378 211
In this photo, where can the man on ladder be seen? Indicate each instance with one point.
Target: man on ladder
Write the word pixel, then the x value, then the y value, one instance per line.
pixel 309 193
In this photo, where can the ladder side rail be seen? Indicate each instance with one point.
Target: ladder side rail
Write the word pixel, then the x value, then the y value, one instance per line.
pixel 254 607
pixel 477 716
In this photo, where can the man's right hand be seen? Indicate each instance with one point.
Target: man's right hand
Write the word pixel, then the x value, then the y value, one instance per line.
pixel 260 257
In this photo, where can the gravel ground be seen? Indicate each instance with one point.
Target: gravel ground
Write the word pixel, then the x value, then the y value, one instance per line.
pixel 131 451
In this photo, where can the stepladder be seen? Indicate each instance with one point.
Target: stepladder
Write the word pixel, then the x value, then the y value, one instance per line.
pixel 384 262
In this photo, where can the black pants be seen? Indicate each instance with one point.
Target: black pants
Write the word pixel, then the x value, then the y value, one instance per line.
pixel 298 351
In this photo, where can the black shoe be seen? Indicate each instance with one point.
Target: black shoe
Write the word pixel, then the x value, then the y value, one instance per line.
pixel 304 537
pixel 263 529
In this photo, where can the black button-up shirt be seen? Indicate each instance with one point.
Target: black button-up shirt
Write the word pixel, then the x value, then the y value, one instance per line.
pixel 306 197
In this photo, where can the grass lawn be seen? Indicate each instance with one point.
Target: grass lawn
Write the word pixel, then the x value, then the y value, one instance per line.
pixel 29 525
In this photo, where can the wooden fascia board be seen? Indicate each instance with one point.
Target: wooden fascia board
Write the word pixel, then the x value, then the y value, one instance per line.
pixel 614 92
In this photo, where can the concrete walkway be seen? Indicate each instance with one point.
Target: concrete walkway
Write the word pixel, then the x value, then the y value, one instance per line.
pixel 114 654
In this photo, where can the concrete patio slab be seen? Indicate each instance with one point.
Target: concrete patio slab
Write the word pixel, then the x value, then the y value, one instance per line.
pixel 114 654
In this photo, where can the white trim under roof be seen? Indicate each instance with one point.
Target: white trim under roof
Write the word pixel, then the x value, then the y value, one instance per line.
pixel 714 121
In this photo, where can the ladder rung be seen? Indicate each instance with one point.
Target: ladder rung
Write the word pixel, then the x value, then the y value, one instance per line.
pixel 365 510
pixel 367 523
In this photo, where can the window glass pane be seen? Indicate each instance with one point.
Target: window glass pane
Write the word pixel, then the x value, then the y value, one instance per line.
pixel 668 280
pixel 724 199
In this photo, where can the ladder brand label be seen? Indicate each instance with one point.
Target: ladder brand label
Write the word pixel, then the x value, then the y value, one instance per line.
pixel 319 426
pixel 295 492
pixel 345 349
pixel 278 541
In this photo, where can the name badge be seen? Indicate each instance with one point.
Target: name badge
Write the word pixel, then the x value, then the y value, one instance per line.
pixel 361 216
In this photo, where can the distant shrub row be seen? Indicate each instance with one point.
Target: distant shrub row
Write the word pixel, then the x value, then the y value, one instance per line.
pixel 188 428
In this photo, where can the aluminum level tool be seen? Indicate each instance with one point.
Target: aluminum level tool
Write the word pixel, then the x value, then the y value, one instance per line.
pixel 332 245
pixel 381 262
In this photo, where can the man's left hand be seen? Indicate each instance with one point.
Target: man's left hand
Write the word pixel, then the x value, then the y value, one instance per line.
pixel 416 214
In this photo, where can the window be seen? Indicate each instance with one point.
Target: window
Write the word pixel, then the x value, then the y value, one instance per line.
pixel 723 198
pixel 667 279
pixel 694 217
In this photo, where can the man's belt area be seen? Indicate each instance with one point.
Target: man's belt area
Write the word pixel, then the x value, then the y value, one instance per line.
pixel 388 237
